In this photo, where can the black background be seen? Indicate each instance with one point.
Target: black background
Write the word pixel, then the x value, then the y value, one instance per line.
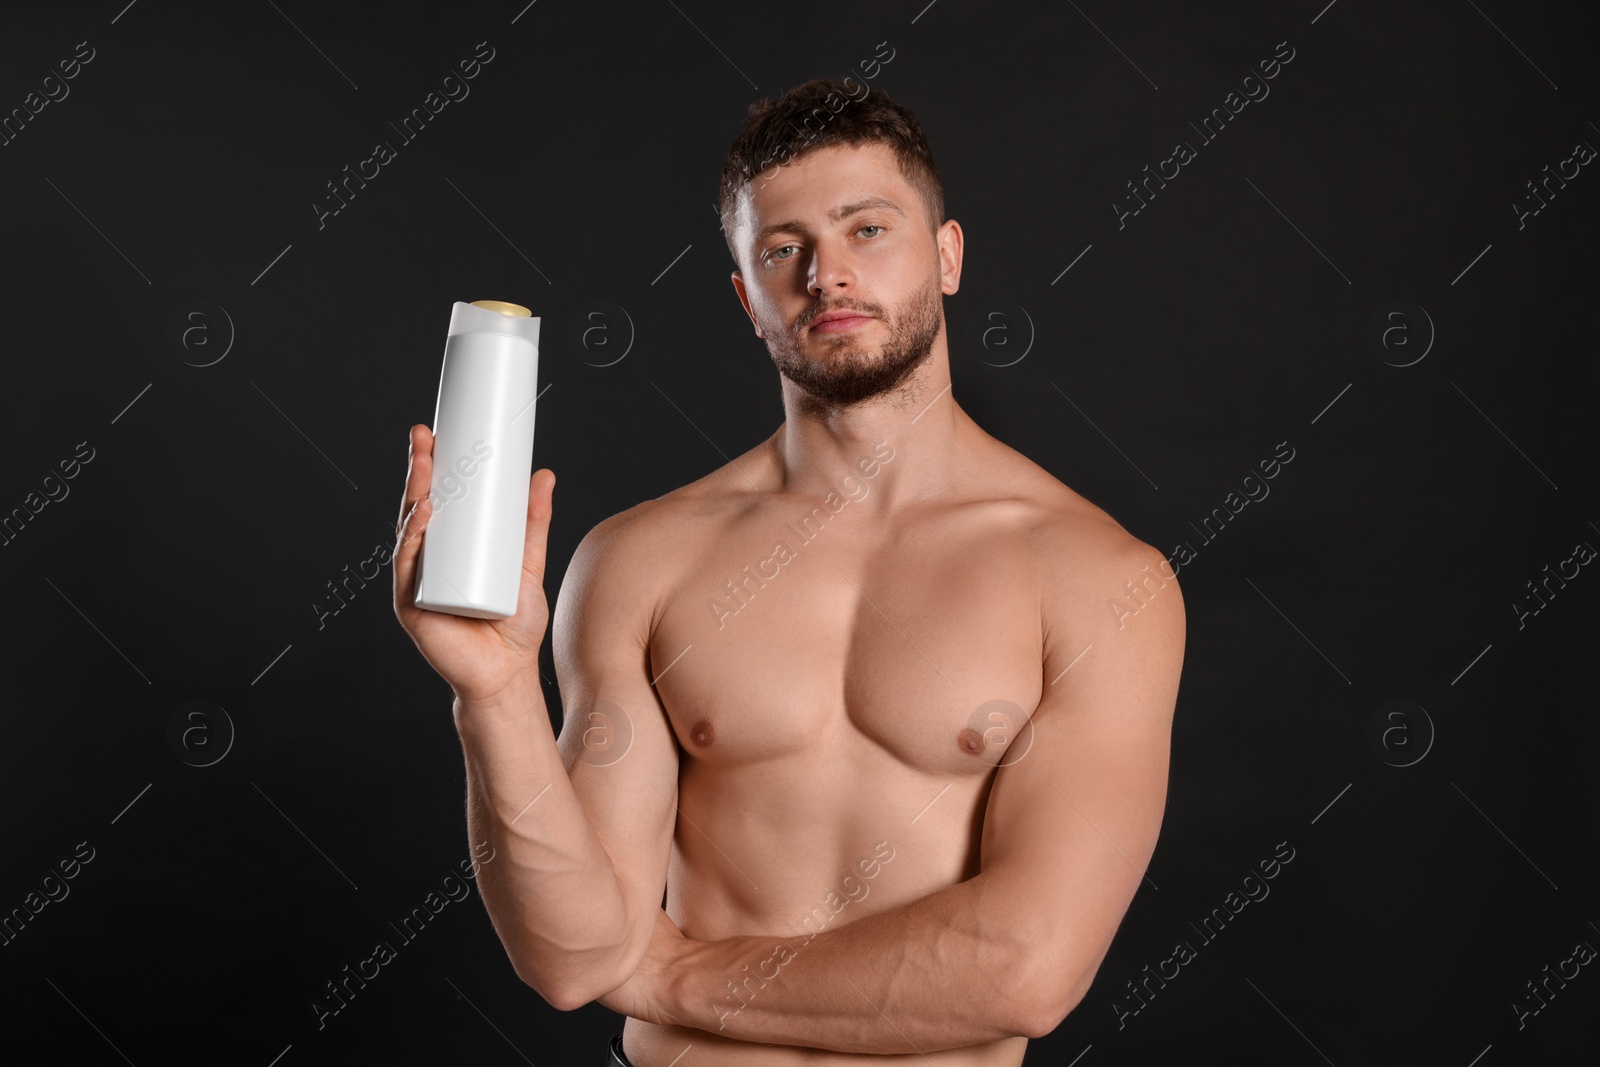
pixel 1230 315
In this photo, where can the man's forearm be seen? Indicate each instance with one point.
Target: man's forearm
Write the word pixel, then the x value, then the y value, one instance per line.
pixel 945 971
pixel 552 891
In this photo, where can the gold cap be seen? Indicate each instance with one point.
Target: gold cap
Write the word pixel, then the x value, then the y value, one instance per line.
pixel 504 308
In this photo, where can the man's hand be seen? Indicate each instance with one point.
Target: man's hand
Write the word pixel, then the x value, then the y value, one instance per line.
pixel 478 657
pixel 643 996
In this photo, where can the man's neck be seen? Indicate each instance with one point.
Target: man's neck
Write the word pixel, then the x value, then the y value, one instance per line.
pixel 818 444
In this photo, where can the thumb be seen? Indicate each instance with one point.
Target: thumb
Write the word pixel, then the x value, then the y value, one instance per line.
pixel 541 490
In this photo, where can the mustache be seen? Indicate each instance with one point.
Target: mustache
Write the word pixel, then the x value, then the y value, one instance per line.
pixel 813 314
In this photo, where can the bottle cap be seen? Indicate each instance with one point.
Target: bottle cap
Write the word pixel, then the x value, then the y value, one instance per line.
pixel 495 317
pixel 504 308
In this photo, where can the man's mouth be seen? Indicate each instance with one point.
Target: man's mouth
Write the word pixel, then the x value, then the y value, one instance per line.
pixel 839 321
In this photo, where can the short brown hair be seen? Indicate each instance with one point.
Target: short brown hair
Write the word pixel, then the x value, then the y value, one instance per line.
pixel 779 131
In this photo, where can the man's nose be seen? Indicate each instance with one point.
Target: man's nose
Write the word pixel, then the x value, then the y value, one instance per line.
pixel 831 271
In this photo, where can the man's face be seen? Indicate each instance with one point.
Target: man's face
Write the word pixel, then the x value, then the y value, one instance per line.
pixel 841 230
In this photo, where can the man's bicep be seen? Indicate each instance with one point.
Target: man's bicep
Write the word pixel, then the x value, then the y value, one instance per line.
pixel 1072 821
pixel 615 739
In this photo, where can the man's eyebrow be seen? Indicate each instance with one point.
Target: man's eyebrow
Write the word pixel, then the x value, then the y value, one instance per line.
pixel 796 226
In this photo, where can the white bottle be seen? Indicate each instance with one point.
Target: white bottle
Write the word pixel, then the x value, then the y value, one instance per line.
pixel 471 561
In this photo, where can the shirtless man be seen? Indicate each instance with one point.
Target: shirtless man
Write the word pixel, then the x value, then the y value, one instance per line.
pixel 880 707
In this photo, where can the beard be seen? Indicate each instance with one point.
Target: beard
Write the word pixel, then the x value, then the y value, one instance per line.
pixel 842 370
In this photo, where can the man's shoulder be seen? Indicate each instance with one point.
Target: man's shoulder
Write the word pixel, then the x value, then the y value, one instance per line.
pixel 679 513
pixel 1056 518
pixel 647 537
pixel 696 508
pixel 1092 575
pixel 618 570
pixel 1076 545
pixel 627 565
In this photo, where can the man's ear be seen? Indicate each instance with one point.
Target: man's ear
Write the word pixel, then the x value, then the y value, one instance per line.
pixel 744 298
pixel 950 241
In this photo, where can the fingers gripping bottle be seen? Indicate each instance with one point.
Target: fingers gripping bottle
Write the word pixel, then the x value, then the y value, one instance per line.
pixel 471 561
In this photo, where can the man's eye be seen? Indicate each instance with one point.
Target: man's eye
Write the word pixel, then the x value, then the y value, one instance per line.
pixel 774 254
pixel 870 226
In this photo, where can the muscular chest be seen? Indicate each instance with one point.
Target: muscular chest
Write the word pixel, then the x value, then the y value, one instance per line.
pixel 923 647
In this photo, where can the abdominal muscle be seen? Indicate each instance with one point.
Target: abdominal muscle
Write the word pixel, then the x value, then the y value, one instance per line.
pixel 796 850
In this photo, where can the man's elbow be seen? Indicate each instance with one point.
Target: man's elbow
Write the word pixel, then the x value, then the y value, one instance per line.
pixel 1048 996
pixel 565 995
pixel 1049 1013
pixel 571 991
pixel 563 998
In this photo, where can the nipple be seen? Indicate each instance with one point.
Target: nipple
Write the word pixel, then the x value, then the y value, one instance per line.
pixel 970 741
pixel 703 733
